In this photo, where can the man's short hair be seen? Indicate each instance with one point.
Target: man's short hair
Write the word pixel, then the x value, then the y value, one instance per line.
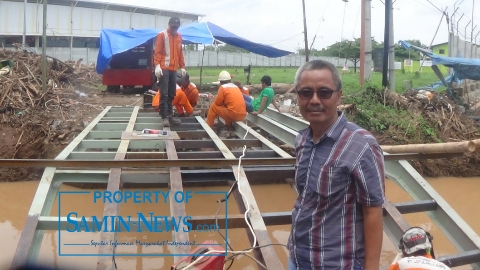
pixel 266 80
pixel 316 65
pixel 174 21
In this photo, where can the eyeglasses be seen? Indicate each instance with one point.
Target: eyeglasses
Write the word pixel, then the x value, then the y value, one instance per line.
pixel 322 93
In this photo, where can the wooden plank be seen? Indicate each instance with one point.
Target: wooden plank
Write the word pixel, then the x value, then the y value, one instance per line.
pixel 137 135
pixel 176 209
pixel 112 208
pixel 257 223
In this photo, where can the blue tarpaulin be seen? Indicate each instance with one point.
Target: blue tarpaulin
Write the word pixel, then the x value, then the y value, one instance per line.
pixel 207 32
pixel 464 68
pixel 114 41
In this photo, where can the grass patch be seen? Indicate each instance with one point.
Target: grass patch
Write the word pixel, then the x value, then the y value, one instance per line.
pixel 399 124
pixel 287 75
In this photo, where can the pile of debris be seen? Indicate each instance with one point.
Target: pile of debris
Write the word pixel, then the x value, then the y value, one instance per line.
pixel 21 78
pixel 34 122
pixel 450 118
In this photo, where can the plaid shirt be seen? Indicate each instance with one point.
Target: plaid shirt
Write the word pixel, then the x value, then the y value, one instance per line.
pixel 334 178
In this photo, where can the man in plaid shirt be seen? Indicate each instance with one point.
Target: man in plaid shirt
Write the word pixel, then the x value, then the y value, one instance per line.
pixel 337 217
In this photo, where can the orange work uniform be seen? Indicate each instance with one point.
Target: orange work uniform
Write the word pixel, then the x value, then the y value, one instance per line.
pixel 180 102
pixel 245 91
pixel 192 93
pixel 168 51
pixel 228 104
pixel 418 263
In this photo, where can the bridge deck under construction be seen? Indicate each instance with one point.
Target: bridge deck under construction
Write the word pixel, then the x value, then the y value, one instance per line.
pixel 110 152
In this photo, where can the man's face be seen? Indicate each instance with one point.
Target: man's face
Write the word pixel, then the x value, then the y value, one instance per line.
pixel 314 109
pixel 185 84
pixel 173 29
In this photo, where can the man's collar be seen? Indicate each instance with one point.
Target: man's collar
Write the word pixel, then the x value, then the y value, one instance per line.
pixel 336 129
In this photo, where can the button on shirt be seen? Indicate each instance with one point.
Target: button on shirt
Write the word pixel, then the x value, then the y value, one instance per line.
pixel 334 178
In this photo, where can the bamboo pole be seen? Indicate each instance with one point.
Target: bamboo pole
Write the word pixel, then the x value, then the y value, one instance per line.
pixel 477 144
pixel 450 147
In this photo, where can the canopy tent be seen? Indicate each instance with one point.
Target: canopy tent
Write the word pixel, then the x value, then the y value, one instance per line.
pixel 114 41
pixel 207 33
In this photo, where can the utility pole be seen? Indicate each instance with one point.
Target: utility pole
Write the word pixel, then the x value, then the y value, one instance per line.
pixel 305 31
pixel 362 43
pixel 366 42
pixel 24 21
pixel 44 48
pixel 386 41
pixel 391 53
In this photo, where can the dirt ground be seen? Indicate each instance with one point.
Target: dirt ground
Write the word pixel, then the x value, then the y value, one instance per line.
pixel 43 133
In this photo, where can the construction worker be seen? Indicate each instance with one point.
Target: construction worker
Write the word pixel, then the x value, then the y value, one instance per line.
pixel 261 103
pixel 181 103
pixel 417 252
pixel 228 104
pixel 168 57
pixel 189 88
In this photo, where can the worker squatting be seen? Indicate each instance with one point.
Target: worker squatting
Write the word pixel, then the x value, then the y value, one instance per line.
pixel 149 222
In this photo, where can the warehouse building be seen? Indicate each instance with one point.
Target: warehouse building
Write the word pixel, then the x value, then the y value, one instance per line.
pixel 73 27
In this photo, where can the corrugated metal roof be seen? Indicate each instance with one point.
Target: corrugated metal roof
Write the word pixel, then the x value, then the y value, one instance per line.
pixel 114 6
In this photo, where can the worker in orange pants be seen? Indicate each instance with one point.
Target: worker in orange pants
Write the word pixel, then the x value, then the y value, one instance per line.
pixel 228 104
pixel 180 102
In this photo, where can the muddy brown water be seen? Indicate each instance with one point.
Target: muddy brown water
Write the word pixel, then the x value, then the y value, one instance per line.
pixel 460 193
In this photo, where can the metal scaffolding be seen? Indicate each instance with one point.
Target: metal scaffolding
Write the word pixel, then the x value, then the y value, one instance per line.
pixel 106 150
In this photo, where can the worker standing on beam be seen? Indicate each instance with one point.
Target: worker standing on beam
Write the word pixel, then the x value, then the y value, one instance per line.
pixel 337 218
pixel 168 57
pixel 417 252
pixel 228 104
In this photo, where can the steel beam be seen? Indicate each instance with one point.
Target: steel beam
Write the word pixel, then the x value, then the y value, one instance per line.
pixel 176 209
pixel 113 208
pixel 256 175
pixel 162 155
pixel 142 163
pixel 259 228
pixel 280 131
pixel 286 119
pixel 235 221
pixel 452 225
pixel 241 129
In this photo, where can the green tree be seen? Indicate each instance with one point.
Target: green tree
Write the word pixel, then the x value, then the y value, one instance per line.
pixel 349 49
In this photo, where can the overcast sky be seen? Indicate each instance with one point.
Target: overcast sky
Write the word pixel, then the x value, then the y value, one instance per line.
pixel 280 22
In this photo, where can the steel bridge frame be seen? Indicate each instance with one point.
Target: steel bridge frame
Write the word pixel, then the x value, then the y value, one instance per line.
pixel 101 156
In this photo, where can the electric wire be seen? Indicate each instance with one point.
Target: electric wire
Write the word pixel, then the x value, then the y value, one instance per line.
pixel 435 6
pixel 237 182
